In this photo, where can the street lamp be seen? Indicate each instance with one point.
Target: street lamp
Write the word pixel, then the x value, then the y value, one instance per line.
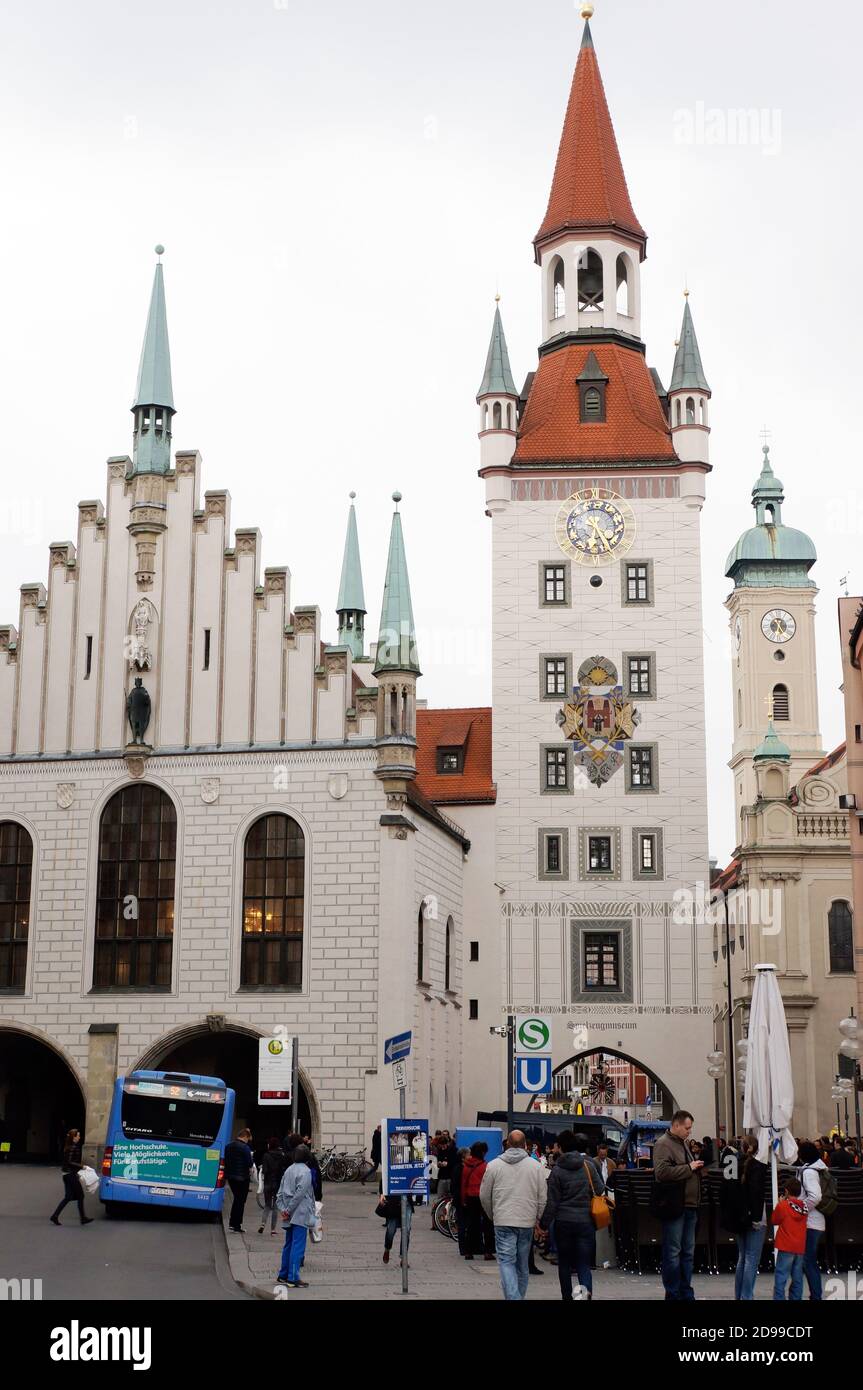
pixel 716 1071
pixel 850 1047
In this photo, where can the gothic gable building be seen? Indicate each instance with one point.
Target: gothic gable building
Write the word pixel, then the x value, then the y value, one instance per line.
pixel 208 823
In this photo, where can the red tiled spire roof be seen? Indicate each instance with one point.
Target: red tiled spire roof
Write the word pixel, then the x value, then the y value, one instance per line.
pixel 589 185
pixel 635 426
pixel 465 729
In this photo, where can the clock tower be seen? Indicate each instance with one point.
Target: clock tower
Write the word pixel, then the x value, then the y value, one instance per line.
pixel 595 496
pixel 772 619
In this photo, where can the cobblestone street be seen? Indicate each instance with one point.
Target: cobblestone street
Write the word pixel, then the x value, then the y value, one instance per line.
pixel 347 1264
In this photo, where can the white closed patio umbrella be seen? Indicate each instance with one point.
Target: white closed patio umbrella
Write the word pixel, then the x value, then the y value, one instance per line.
pixel 768 1099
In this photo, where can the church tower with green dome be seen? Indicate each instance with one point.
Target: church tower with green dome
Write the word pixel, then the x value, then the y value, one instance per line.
pixel 772 619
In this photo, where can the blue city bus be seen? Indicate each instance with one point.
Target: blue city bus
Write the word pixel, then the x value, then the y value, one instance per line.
pixel 166 1140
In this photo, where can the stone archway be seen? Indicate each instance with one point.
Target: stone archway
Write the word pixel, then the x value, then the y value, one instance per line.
pixel 669 1104
pixel 231 1053
pixel 41 1097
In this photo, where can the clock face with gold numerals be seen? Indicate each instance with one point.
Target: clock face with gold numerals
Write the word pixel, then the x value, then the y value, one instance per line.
pixel 778 626
pixel 595 527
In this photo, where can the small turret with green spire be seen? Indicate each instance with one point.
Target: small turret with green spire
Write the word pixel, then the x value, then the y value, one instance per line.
pixel 153 408
pixel 688 373
pixel 396 649
pixel 497 379
pixel 771 748
pixel 351 606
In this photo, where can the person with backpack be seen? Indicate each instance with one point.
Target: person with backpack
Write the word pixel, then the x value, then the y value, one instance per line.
pixel 822 1198
pixel 273 1165
pixel 742 1209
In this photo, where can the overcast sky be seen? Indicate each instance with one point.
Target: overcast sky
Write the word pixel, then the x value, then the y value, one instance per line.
pixel 341 188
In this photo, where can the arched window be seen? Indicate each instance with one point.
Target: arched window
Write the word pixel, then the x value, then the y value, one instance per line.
pixel 135 887
pixel 740 709
pixel 592 404
pixel 677 416
pixel 841 939
pixel 485 416
pixel 496 416
pixel 624 293
pixel 781 702
pixel 703 404
pixel 509 415
pixel 274 863
pixel 590 297
pixel 690 411
pixel 447 967
pixel 558 290
pixel 16 865
pixel 421 942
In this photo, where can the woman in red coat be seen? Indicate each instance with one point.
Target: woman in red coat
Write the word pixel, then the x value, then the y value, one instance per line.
pixel 479 1232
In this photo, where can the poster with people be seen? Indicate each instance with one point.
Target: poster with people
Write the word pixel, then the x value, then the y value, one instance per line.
pixel 406 1158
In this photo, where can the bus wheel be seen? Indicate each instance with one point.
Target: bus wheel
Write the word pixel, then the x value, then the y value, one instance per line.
pixel 110 1210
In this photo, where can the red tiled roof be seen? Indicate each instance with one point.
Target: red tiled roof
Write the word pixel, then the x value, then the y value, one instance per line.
pixel 589 186
pixel 830 760
pixel 726 878
pixel 455 728
pixel 635 426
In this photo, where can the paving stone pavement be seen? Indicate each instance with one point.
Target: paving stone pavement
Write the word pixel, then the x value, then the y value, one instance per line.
pixel 347 1263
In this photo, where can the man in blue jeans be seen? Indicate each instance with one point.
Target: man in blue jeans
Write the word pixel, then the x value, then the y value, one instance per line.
pixel 675 1167
pixel 513 1194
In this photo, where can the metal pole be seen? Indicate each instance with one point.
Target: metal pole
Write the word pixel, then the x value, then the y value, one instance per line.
pixel 510 1066
pixel 295 1067
pixel 846 1117
pixel 403 1246
pixel 731 1058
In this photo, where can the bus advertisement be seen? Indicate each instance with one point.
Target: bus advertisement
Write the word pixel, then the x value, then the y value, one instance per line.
pixel 166 1141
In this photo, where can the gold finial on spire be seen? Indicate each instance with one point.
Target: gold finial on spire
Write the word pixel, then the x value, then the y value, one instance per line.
pixel 587 11
pixel 497 299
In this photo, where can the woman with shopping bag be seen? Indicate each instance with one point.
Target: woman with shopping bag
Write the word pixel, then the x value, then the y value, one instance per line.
pixel 72 1168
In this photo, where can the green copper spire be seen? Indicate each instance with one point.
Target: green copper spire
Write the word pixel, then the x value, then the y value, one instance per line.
pixel 688 373
pixel 497 378
pixel 771 746
pixel 351 606
pixel 154 398
pixel 397 643
pixel 770 554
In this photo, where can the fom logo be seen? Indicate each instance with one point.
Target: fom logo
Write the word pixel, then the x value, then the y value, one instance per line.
pixel 20 1290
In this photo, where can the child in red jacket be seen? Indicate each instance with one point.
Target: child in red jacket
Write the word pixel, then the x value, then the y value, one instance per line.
pixel 789 1216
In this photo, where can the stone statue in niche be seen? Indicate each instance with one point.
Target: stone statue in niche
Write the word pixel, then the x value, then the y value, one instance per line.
pixel 139 652
pixel 138 707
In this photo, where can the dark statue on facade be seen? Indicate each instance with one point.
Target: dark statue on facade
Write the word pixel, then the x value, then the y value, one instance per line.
pixel 138 710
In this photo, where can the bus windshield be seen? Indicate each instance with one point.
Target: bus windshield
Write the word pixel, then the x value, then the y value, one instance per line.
pixel 165 1110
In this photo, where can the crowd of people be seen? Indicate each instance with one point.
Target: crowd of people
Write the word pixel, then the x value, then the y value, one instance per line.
pixel 556 1201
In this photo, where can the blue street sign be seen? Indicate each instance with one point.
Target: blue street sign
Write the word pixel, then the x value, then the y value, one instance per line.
pixel 397 1047
pixel 533 1076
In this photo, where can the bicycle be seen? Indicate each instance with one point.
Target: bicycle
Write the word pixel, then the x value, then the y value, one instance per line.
pixel 445 1217
pixel 358 1165
pixel 334 1166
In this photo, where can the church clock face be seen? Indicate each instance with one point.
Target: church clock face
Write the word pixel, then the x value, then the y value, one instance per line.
pixel 595 527
pixel 778 625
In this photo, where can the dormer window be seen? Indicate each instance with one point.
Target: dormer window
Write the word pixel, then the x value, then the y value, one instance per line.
pixel 592 383
pixel 450 760
pixel 592 404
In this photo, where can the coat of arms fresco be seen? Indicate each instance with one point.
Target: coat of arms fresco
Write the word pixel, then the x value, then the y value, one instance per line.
pixel 598 720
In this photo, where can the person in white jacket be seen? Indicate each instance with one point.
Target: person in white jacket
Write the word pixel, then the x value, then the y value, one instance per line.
pixel 816 1223
pixel 513 1193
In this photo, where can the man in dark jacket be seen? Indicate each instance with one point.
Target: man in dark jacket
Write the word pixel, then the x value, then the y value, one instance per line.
pixel 679 1174
pixel 572 1182
pixel 238 1168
